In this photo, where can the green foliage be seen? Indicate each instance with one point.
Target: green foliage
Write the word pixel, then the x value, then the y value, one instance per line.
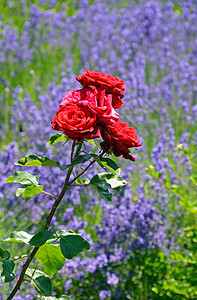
pixel 41 237
pixel 51 258
pixel 104 181
pixel 32 160
pixel 37 161
pixel 56 138
pixel 30 186
pixel 39 280
pixel 4 254
pixel 7 274
pixel 107 163
pixel 71 245
pixel 29 191
pixel 23 177
pixel 19 237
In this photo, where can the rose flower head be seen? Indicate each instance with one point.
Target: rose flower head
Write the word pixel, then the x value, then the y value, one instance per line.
pixel 77 122
pixel 118 138
pixel 97 101
pixel 98 80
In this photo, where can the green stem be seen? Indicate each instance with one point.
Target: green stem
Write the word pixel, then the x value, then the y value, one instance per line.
pixel 46 193
pixel 47 225
pixel 81 173
pixel 19 257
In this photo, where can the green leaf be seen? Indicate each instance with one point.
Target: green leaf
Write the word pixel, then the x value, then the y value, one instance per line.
pixel 103 181
pixel 7 254
pixel 92 142
pixel 7 273
pixel 56 138
pixel 19 237
pixel 104 193
pixel 107 163
pixel 9 179
pixel 116 182
pixel 51 258
pixel 23 177
pixel 32 160
pixel 71 245
pixel 41 237
pixel 29 191
pixel 4 254
pixel 39 280
pixel 37 161
pixel 80 181
pixel 80 159
pixel 61 233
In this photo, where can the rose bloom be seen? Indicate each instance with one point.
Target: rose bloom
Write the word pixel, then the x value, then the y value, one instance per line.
pixel 97 101
pixel 77 122
pixel 98 80
pixel 118 138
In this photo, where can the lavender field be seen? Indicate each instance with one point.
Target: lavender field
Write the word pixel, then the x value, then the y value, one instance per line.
pixel 144 241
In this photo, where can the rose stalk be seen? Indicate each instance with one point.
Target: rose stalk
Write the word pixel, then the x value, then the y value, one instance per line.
pixel 84 114
pixel 67 184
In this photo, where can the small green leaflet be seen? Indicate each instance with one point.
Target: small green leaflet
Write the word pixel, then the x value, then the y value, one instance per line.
pixel 41 237
pixel 23 177
pixel 19 237
pixel 104 181
pixel 51 258
pixel 29 183
pixel 61 233
pixel 32 160
pixel 71 245
pixel 4 254
pixel 7 274
pixel 29 191
pixel 107 163
pixel 37 161
pixel 86 181
pixel 56 138
pixel 39 280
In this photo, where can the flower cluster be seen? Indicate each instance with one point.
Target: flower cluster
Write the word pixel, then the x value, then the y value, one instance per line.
pixel 89 113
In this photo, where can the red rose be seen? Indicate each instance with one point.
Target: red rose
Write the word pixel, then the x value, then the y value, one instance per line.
pixel 77 122
pixel 98 80
pixel 118 138
pixel 97 101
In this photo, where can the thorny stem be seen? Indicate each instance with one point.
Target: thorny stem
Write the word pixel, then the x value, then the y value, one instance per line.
pixel 49 218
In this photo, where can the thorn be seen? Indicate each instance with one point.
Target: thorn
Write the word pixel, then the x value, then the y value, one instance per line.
pixel 17 280
pixel 22 265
